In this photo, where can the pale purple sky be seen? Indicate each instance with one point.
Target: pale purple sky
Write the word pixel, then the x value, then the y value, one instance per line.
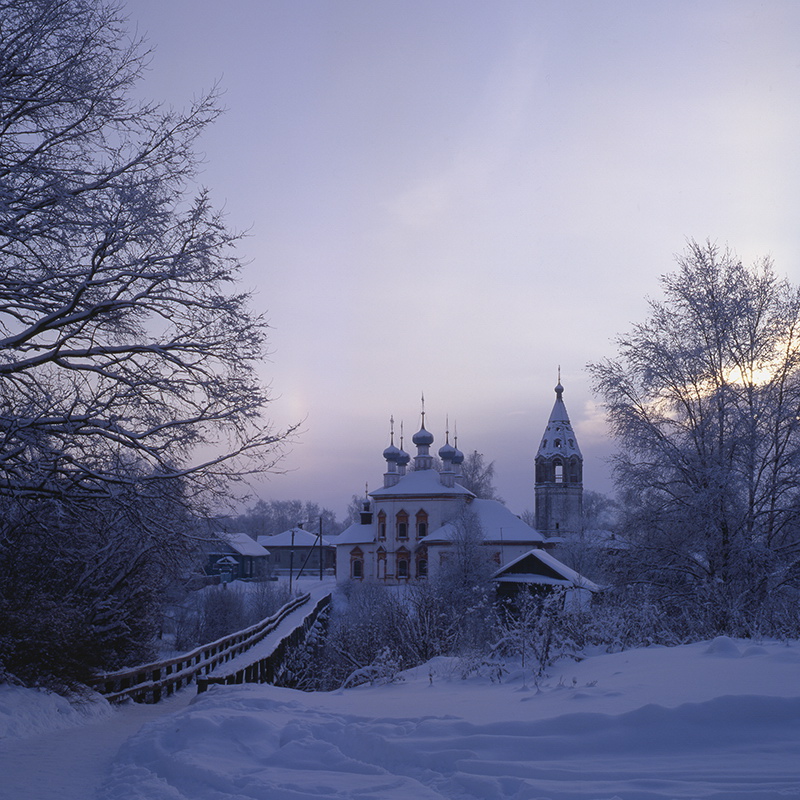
pixel 455 197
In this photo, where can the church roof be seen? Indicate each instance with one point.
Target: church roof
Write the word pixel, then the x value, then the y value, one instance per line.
pixel 357 534
pixel 559 438
pixel 498 524
pixel 421 483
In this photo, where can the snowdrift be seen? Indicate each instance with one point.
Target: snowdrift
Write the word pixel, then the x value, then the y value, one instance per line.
pixel 712 720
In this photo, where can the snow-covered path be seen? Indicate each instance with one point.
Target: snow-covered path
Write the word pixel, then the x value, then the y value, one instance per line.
pixel 71 764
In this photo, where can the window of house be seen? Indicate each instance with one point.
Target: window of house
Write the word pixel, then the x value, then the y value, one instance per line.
pixel 559 473
pixel 402 568
pixel 357 566
pixel 381 525
pixel 422 568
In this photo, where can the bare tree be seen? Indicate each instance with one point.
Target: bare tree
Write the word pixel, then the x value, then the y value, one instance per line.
pixel 128 382
pixel 478 476
pixel 120 335
pixel 703 400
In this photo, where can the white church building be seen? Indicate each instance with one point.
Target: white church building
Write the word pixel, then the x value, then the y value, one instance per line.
pixel 408 525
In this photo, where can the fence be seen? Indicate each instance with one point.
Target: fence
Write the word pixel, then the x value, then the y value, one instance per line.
pixel 267 666
pixel 148 683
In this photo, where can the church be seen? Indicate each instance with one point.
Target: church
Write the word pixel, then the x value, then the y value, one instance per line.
pixel 409 527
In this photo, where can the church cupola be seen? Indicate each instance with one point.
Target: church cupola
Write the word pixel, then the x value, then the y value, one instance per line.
pixel 423 440
pixel 559 474
pixel 366 509
pixel 404 458
pixel 392 455
pixel 447 452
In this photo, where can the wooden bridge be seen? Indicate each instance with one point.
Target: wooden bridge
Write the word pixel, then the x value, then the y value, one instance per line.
pixel 253 655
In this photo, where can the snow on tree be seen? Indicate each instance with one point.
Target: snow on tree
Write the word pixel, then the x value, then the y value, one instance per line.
pixel 127 356
pixel 703 399
pixel 478 476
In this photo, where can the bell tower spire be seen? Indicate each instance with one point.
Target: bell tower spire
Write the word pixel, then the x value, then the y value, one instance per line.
pixel 559 474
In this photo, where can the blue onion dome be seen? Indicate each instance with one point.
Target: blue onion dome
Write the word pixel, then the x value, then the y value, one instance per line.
pixel 422 437
pixel 403 459
pixel 447 452
pixel 458 456
pixel 392 453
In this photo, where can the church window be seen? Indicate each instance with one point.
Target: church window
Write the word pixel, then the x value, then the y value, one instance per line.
pixel 382 525
pixel 544 442
pixel 559 472
pixel 422 524
pixel 557 443
pixel 402 525
pixel 402 568
pixel 422 568
pixel 356 563
pixel 381 563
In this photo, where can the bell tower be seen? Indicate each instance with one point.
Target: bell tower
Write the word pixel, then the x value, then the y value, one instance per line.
pixel 559 475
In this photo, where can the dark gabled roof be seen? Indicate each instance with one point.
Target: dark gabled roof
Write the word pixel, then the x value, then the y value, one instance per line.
pixel 537 566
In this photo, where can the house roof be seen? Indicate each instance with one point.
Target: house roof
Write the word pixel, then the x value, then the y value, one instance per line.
pixel 498 524
pixel 302 538
pixel 538 566
pixel 244 545
pixel 421 483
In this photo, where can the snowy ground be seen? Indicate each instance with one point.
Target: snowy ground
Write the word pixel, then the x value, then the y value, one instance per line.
pixel 709 720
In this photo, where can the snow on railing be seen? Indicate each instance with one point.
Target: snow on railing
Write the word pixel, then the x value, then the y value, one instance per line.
pixel 265 663
pixel 149 682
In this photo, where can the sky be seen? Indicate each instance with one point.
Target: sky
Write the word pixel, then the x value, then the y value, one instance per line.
pixel 457 197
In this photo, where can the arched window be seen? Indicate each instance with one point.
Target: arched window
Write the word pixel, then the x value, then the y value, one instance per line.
pixel 381 524
pixel 559 469
pixel 402 561
pixel 422 524
pixel 356 563
pixel 402 525
pixel 422 568
pixel 381 563
pixel 574 475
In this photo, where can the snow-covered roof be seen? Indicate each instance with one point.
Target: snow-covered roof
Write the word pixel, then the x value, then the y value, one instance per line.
pixel 421 483
pixel 498 524
pixel 302 538
pixel 559 438
pixel 568 575
pixel 244 545
pixel 357 534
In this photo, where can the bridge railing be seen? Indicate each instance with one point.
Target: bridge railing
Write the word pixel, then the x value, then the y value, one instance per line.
pixel 148 683
pixel 263 665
